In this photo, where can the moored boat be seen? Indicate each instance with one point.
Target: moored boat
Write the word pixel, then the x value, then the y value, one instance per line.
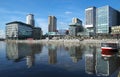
pixel 108 49
pixel 109 46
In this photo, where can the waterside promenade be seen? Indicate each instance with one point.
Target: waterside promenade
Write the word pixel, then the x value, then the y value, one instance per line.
pixel 73 41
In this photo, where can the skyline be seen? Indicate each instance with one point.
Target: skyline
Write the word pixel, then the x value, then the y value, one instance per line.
pixel 64 11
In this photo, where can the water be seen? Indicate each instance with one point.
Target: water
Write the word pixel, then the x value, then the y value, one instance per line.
pixel 56 60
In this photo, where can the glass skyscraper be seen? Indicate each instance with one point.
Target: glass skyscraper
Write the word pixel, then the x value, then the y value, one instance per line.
pixel 90 20
pixel 105 18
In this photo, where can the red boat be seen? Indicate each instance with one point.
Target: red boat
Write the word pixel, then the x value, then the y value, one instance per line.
pixel 109 49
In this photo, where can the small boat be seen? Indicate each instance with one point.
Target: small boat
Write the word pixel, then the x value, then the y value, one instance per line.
pixel 109 49
pixel 107 53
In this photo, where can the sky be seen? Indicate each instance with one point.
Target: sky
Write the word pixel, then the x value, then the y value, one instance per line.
pixel 64 10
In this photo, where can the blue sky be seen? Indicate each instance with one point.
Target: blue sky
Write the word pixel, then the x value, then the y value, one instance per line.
pixel 64 10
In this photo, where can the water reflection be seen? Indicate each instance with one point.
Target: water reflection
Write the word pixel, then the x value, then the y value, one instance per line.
pixel 75 53
pixel 52 51
pixel 107 66
pixel 18 51
pixel 100 65
pixel 90 61
pixel 88 55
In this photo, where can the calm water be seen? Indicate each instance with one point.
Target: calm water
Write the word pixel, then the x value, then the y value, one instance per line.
pixel 56 60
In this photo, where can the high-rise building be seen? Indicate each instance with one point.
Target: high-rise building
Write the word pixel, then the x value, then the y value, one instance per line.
pixel 76 20
pixel 106 17
pixel 90 20
pixel 30 19
pixel 52 24
pixel 75 27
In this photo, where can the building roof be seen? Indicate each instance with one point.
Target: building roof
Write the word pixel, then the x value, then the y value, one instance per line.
pixel 74 24
pixel 19 22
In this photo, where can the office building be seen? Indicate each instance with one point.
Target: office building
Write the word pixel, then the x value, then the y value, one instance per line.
pixel 75 27
pixel 76 20
pixel 106 17
pixel 18 30
pixel 37 33
pixel 30 19
pixel 90 20
pixel 52 24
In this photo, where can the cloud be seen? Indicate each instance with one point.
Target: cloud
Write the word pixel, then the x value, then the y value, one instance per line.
pixel 43 23
pixel 68 12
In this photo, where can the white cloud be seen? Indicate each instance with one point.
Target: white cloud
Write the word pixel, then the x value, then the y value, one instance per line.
pixel 68 12
pixel 43 24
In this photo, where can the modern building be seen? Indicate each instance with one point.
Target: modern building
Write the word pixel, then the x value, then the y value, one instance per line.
pixel 115 31
pixel 52 24
pixel 76 20
pixel 118 17
pixel 90 20
pixel 37 33
pixel 30 19
pixel 106 17
pixel 18 30
pixel 75 27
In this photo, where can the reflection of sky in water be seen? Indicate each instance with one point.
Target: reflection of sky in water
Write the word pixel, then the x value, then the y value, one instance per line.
pixel 55 60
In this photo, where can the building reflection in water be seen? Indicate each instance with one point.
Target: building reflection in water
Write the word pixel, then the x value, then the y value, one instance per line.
pixel 101 66
pixel 52 53
pixel 20 51
pixel 90 60
pixel 107 66
pixel 75 53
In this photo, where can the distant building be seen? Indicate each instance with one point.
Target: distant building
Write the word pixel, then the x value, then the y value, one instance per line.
pixel 30 19
pixel 18 30
pixel 52 24
pixel 118 17
pixel 37 33
pixel 76 20
pixel 115 29
pixel 90 20
pixel 106 17
pixel 75 27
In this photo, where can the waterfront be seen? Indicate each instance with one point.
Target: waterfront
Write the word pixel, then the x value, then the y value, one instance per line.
pixel 55 60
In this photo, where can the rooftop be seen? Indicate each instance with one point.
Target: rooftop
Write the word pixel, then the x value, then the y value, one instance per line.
pixel 19 22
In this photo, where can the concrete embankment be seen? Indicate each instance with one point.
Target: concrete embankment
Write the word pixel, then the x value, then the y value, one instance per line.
pixel 73 41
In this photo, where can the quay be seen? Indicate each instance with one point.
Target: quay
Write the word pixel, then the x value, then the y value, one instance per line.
pixel 73 41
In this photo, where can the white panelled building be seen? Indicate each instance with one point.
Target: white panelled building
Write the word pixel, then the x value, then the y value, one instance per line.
pixel 18 30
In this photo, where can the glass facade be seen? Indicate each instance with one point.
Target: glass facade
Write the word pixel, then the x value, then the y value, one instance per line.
pixel 18 30
pixel 102 20
pixel 106 17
